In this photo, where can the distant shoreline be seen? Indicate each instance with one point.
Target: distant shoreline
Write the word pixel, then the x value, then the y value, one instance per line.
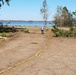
pixel 26 23
pixel 22 21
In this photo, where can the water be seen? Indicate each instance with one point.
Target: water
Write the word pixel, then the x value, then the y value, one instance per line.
pixel 27 23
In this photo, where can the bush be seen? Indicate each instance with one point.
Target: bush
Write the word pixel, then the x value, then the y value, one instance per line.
pixel 3 34
pixel 6 34
pixel 7 29
pixel 58 32
pixel 25 30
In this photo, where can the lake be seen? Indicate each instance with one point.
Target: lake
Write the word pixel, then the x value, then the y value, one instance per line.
pixel 27 23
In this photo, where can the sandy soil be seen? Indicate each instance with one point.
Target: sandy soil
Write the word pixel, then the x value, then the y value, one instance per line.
pixel 58 58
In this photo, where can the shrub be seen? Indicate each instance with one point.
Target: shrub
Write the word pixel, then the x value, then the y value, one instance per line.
pixel 58 32
pixel 3 34
pixel 34 43
pixel 7 34
pixel 25 30
pixel 7 29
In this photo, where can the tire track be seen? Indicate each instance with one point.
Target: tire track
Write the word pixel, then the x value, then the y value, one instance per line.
pixel 29 59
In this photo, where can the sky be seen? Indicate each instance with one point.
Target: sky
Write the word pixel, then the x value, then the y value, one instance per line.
pixel 30 9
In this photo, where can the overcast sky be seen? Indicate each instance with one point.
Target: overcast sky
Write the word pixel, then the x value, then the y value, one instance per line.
pixel 30 9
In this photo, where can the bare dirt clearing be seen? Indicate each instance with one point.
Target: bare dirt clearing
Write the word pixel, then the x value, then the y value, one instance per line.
pixel 59 58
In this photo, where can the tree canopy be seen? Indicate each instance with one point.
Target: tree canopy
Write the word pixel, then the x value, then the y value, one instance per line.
pixel 2 2
pixel 63 17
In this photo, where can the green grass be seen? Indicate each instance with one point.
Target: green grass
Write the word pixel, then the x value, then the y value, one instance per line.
pixel 25 30
pixel 6 34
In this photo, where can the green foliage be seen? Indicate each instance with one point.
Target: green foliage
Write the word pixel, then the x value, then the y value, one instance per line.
pixel 7 29
pixel 71 29
pixel 7 1
pixel 57 31
pixel 3 1
pixel 74 13
pixel 4 34
pixel 63 18
pixel 25 30
pixel 69 33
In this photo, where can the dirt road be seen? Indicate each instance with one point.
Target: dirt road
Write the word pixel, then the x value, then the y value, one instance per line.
pixel 59 57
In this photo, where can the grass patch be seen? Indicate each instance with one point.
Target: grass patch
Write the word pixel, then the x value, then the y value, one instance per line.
pixel 25 30
pixel 6 34
pixel 34 43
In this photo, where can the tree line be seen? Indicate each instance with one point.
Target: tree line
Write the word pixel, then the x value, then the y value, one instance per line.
pixel 64 18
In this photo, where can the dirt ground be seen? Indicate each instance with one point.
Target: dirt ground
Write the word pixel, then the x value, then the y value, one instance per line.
pixel 57 58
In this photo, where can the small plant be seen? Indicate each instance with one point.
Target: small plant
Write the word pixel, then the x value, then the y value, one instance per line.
pixel 34 43
pixel 25 30
pixel 3 34
pixel 6 34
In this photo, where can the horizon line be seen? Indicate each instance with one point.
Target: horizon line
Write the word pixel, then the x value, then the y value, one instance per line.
pixel 24 20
